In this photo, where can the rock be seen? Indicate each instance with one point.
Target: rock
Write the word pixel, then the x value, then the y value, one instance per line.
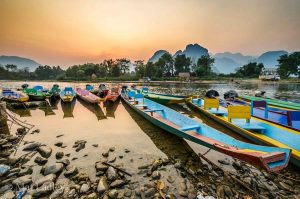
pixel 79 145
pixel 59 155
pixel 102 185
pixel 58 144
pixel 32 146
pixel 52 168
pixel 21 131
pixel 127 193
pixel 22 181
pixel 112 149
pixel 170 179
pixel 57 193
pixel 44 179
pixel 95 145
pixel 82 176
pixel 150 192
pixel 220 191
pixel 127 150
pixel 36 131
pixel 8 195
pixel 27 196
pixel 285 186
pixel 25 171
pixel 156 175
pixel 113 159
pixel 4 169
pixel 59 135
pixel 117 183
pixel 72 193
pixel 111 174
pixel 92 196
pixel 84 188
pixel 113 193
pixel 45 189
pixel 228 191
pixel 5 188
pixel 225 161
pixel 183 193
pixel 105 154
pixel 66 162
pixel 40 160
pixel 45 151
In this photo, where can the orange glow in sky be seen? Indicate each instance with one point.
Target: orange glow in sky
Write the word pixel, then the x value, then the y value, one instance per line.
pixel 64 32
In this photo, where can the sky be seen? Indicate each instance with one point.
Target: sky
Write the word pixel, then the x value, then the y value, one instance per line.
pixel 66 32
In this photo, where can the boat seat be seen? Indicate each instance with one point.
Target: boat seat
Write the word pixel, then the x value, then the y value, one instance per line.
pixel 154 110
pixel 191 127
pixel 253 127
pixel 141 106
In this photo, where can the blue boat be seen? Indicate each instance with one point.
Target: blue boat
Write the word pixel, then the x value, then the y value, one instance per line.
pixel 238 118
pixel 260 109
pixel 67 94
pixel 11 95
pixel 269 158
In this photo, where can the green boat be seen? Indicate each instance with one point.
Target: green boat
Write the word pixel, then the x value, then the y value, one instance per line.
pixel 34 94
pixel 164 99
pixel 273 102
pixel 55 90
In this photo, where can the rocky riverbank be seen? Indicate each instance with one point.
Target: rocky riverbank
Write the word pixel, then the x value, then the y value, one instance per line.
pixel 39 172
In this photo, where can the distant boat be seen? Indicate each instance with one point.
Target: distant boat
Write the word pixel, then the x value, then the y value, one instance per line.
pixel 55 91
pixel 89 87
pixel 87 96
pixel 34 94
pixel 67 95
pixel 269 158
pixel 40 88
pixel 113 94
pixel 11 95
pixel 238 118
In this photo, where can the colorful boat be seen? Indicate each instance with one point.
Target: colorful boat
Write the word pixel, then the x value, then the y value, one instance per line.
pixel 113 94
pixel 87 96
pixel 89 87
pixel 254 129
pixel 55 91
pixel 40 88
pixel 164 99
pixel 270 158
pixel 273 102
pixel 67 95
pixel 68 108
pixel 260 109
pixel 34 94
pixel 11 95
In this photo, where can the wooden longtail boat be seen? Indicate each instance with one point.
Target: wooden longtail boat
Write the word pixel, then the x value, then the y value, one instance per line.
pixel 67 95
pixel 273 102
pixel 89 87
pixel 34 94
pixel 11 95
pixel 87 96
pixel 270 158
pixel 40 88
pixel 260 109
pixel 113 94
pixel 55 91
pixel 164 98
pixel 68 108
pixel 257 130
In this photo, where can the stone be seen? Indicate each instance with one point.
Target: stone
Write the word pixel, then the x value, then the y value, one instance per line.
pixel 5 188
pixel 285 186
pixel 25 171
pixel 59 155
pixel 111 174
pixel 95 145
pixel 183 193
pixel 58 144
pixel 92 196
pixel 32 146
pixel 82 176
pixel 40 160
pixel 220 191
pixel 170 179
pixel 45 189
pixel 102 185
pixel 52 168
pixel 66 162
pixel 156 175
pixel 57 193
pixel 112 159
pixel 113 193
pixel 100 167
pixel 127 150
pixel 105 154
pixel 22 181
pixel 71 171
pixel 150 192
pixel 72 193
pixel 112 149
pixel 8 195
pixel 228 191
pixel 225 162
pixel 44 179
pixel 117 183
pixel 45 151
pixel 84 188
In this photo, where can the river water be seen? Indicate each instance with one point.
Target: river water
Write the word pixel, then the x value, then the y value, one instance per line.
pixel 115 125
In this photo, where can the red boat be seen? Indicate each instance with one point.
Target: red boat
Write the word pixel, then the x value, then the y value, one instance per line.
pixel 113 94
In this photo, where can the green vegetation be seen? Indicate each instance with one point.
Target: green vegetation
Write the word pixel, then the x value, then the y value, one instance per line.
pixel 166 68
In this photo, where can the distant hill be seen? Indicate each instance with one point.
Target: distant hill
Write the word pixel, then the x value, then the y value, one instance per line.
pixel 236 57
pixel 157 55
pixel 225 65
pixel 269 59
pixel 21 62
pixel 193 51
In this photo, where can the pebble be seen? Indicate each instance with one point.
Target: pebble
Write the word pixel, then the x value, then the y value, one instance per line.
pixel 57 193
pixel 117 183
pixel 113 193
pixel 112 149
pixel 58 144
pixel 44 179
pixel 150 192
pixel 22 181
pixel 102 185
pixel 32 146
pixel 52 168
pixel 84 188
pixel 40 160
pixel 105 154
pixel 45 151
pixel 8 195
pixel 95 145
pixel 111 174
pixel 156 175
pixel 100 167
pixel 59 155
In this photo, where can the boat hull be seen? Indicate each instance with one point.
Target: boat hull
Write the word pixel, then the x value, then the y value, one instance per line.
pixel 295 157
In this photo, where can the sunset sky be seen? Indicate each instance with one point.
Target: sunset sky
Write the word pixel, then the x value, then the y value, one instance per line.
pixel 64 32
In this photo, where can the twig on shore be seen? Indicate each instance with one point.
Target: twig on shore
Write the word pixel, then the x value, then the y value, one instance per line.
pixel 119 169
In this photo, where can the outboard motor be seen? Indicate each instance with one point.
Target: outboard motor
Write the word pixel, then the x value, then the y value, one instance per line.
pixel 231 94
pixel 259 93
pixel 212 94
pixel 24 86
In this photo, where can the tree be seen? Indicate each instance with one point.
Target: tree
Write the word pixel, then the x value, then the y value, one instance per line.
pixel 115 71
pixel 123 64
pixel 150 69
pixel 182 64
pixel 80 73
pixel 164 66
pixel 11 67
pixel 289 65
pixel 140 68
pixel 251 70
pixel 204 64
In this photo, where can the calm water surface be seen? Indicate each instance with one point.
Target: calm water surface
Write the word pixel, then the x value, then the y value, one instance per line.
pixel 116 125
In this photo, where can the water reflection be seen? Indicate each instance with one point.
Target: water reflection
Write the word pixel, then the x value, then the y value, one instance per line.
pixel 97 109
pixel 111 108
pixel 22 112
pixel 47 108
pixel 68 108
pixel 54 102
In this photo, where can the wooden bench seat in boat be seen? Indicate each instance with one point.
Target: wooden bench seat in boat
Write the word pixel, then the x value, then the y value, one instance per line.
pixel 253 127
pixel 141 106
pixel 191 127
pixel 217 112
